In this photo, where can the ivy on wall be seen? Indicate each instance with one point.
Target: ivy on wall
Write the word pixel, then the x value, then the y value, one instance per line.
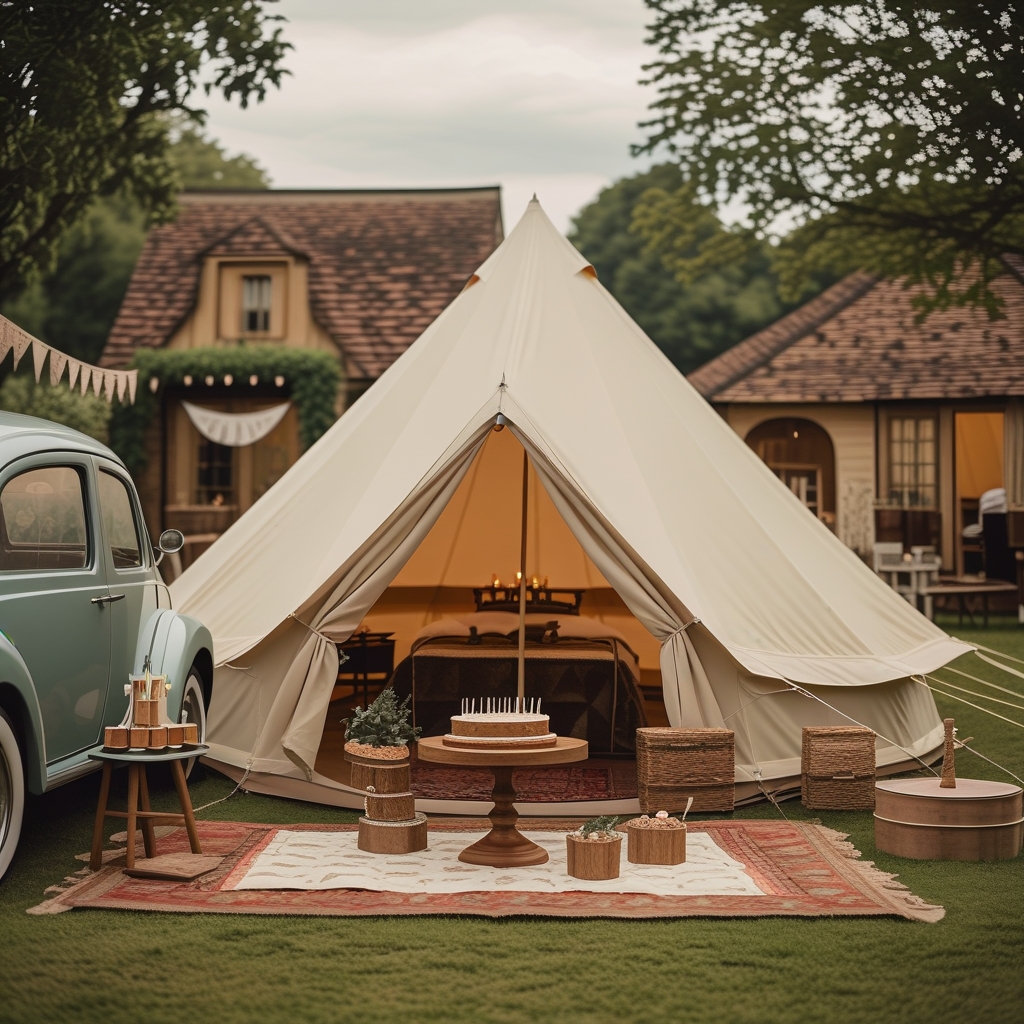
pixel 311 378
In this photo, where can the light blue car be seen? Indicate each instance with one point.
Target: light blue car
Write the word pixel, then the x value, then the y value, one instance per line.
pixel 82 605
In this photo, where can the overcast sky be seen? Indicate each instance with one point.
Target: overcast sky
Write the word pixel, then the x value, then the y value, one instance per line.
pixel 535 95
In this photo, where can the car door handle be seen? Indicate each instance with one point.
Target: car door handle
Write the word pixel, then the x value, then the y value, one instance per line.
pixel 107 598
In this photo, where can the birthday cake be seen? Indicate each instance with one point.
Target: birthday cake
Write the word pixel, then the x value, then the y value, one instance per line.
pixel 505 728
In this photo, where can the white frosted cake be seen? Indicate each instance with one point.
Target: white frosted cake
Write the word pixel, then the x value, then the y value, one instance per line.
pixel 500 730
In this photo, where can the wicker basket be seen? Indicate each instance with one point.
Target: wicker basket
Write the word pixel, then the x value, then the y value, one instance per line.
pixel 838 768
pixel 674 764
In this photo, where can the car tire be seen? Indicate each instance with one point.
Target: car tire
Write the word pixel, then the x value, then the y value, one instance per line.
pixel 12 792
pixel 194 703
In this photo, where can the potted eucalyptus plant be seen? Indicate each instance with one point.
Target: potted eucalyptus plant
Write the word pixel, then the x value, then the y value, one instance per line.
pixel 382 731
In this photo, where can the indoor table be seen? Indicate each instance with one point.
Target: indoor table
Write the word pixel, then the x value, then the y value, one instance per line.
pixel 504 846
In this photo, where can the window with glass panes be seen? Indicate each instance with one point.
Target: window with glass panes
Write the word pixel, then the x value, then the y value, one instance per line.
pixel 215 482
pixel 256 303
pixel 912 461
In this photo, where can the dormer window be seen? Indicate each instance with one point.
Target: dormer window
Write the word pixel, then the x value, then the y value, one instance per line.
pixel 256 303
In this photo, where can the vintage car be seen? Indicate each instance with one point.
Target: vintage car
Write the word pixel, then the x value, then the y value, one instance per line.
pixel 82 606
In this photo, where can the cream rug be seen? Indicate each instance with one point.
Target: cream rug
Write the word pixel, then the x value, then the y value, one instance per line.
pixel 331 860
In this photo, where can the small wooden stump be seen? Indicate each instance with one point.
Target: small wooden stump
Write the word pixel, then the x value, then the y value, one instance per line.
pixel 115 737
pixel 393 836
pixel 157 737
pixel 390 806
pixel 380 777
pixel 139 737
pixel 592 859
pixel 656 845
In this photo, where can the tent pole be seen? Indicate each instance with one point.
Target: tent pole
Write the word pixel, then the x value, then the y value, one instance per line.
pixel 521 674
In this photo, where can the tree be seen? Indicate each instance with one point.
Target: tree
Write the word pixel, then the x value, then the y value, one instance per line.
pixel 74 306
pixel 888 132
pixel 200 162
pixel 86 89
pixel 693 320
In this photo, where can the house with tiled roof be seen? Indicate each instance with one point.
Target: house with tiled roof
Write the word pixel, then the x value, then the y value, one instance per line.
pixel 355 274
pixel 888 426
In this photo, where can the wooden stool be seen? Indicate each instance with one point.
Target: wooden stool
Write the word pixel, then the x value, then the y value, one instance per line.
pixel 138 789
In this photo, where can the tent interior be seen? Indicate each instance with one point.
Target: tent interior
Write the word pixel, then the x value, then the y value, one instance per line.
pixel 589 660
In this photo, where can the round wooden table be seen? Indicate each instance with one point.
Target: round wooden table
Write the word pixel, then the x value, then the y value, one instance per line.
pixel 504 846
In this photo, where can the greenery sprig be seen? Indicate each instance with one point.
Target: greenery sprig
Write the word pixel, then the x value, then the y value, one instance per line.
pixel 385 723
pixel 605 824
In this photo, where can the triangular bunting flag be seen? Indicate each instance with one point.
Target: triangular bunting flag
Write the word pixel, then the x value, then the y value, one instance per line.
pixel 85 378
pixel 73 367
pixel 6 338
pixel 39 352
pixel 122 385
pixel 133 383
pixel 97 381
pixel 109 384
pixel 57 363
pixel 21 344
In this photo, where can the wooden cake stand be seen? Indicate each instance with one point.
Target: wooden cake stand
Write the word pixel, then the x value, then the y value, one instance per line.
pixel 504 846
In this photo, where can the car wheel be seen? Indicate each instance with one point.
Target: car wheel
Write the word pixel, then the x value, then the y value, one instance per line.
pixel 12 793
pixel 194 706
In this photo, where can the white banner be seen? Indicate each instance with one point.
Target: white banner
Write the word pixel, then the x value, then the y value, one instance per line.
pixel 235 429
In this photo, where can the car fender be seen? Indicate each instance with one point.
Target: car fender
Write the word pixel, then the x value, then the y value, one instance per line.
pixel 173 643
pixel 14 674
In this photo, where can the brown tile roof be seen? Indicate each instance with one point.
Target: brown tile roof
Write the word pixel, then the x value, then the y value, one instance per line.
pixel 860 341
pixel 382 264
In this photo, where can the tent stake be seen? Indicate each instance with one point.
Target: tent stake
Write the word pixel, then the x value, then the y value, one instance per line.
pixel 521 674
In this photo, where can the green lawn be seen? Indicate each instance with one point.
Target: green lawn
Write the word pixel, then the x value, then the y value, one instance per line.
pixel 112 966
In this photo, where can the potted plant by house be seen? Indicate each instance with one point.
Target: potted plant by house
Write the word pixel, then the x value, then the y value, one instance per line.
pixel 594 850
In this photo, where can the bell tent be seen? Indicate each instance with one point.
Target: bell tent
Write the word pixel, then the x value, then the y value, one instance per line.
pixel 761 620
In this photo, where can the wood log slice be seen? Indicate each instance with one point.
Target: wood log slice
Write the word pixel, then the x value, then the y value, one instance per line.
pixel 656 845
pixel 390 806
pixel 381 778
pixel 115 737
pixel 592 859
pixel 393 836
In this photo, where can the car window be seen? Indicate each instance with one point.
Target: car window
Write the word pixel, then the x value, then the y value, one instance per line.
pixel 119 522
pixel 43 514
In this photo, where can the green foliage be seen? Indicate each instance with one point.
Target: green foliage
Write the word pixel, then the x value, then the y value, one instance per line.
pixel 888 133
pixel 691 313
pixel 202 163
pixel 604 825
pixel 87 413
pixel 86 91
pixel 74 306
pixel 385 723
pixel 311 377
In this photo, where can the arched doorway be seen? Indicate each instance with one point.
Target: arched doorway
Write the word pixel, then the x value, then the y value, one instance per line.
pixel 800 454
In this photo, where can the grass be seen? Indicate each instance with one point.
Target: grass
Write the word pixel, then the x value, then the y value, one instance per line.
pixel 110 967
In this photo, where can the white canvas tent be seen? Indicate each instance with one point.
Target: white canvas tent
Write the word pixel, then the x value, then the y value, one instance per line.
pixel 745 591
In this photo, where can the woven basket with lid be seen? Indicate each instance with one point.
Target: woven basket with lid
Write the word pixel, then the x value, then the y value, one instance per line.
pixel 837 768
pixel 675 764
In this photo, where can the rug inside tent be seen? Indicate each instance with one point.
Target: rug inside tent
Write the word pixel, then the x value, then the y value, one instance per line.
pixel 771 868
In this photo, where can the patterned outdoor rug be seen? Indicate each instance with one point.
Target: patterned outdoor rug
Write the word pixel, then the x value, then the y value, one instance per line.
pixel 592 780
pixel 790 869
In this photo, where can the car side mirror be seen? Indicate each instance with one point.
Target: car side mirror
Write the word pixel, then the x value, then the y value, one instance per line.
pixel 170 543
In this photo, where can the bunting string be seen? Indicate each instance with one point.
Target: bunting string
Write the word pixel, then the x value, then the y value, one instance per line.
pixel 105 382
